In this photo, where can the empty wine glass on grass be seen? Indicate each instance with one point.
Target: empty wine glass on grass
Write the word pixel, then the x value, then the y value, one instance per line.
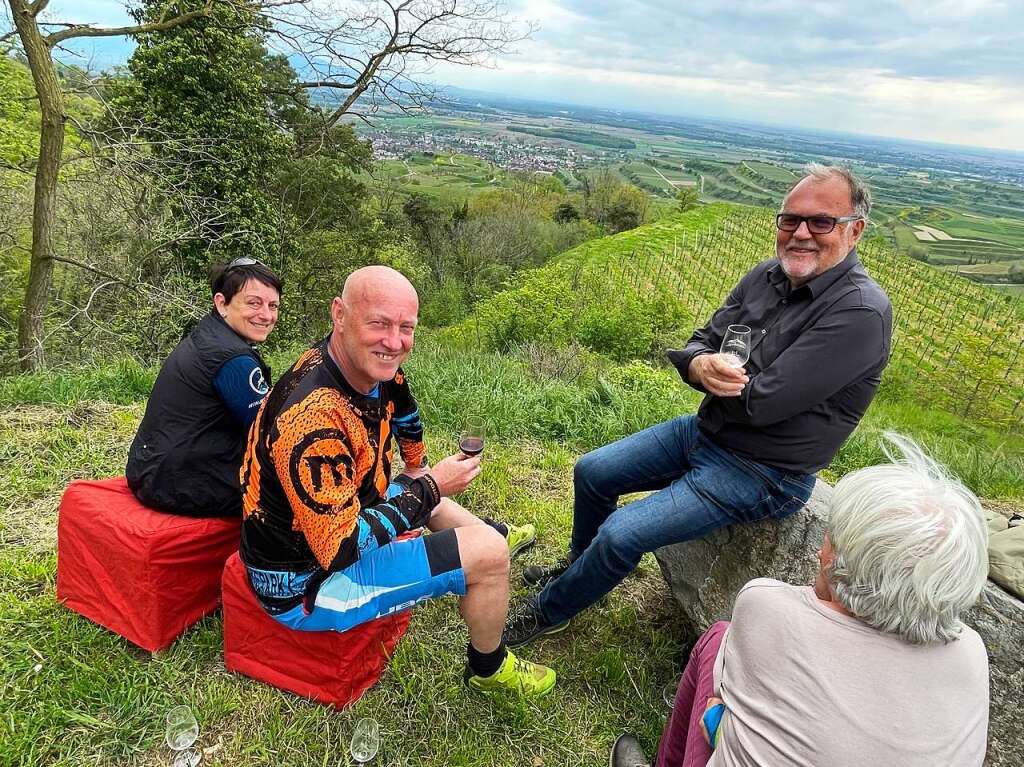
pixel 471 440
pixel 181 734
pixel 182 728
pixel 365 740
pixel 190 757
pixel 736 345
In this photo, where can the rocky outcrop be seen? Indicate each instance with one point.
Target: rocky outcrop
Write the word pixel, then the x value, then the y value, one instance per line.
pixel 999 618
pixel 705 576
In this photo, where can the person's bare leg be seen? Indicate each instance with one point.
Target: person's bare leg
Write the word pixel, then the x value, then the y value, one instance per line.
pixel 448 514
pixel 484 556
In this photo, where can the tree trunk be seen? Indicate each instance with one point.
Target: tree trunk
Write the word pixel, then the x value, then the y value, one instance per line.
pixel 51 145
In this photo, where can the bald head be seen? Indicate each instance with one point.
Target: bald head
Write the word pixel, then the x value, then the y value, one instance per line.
pixel 369 284
pixel 374 322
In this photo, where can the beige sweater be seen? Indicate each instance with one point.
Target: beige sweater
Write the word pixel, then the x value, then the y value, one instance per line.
pixel 805 685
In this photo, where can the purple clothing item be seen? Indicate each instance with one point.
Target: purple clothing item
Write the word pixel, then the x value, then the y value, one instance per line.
pixel 682 742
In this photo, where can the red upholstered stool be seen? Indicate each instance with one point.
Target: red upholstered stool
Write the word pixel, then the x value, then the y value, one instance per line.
pixel 327 666
pixel 143 574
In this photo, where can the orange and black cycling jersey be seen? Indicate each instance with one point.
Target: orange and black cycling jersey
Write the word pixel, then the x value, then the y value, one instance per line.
pixel 316 475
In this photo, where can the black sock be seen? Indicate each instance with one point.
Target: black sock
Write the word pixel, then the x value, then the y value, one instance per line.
pixel 486 663
pixel 503 529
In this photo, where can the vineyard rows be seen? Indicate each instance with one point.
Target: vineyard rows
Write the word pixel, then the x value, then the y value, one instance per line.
pixel 959 346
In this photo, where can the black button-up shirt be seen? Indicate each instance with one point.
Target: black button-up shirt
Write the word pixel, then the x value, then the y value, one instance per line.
pixel 817 355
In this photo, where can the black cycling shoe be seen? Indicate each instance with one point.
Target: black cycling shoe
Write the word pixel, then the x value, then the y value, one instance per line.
pixel 627 753
pixel 540 576
pixel 526 623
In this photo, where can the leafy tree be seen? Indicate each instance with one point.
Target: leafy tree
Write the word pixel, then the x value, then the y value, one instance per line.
pixel 687 197
pixel 621 216
pixel 197 92
pixel 37 45
pixel 615 205
pixel 318 184
pixel 19 121
pixel 377 52
pixel 566 212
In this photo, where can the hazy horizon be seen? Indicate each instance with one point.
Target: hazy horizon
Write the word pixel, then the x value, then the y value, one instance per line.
pixel 938 71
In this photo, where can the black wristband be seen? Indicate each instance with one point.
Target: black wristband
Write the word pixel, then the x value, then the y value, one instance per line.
pixel 433 489
pixel 429 498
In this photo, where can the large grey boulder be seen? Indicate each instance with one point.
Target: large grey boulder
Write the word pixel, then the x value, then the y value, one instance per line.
pixel 705 575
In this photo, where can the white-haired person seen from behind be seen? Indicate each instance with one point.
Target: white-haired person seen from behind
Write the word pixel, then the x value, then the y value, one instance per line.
pixel 871 665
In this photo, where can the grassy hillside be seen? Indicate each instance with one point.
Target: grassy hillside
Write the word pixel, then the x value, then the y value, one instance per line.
pixel 561 362
pixel 957 345
pixel 76 694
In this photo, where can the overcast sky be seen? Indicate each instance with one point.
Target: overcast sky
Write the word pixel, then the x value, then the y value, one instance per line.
pixel 936 70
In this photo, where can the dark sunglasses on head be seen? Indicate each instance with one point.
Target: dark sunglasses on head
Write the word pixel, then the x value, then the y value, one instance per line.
pixel 790 222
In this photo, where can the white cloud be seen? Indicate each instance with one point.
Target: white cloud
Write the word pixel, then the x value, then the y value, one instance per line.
pixel 942 70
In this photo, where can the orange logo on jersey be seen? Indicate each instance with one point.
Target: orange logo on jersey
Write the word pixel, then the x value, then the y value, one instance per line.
pixel 320 469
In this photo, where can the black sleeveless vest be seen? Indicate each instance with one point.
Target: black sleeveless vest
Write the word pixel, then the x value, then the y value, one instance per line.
pixel 188 450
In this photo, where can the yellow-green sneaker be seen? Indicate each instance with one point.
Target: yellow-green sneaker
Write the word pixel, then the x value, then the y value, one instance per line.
pixel 514 675
pixel 520 538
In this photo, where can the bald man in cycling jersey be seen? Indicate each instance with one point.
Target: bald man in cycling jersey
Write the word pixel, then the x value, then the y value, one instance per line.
pixel 321 514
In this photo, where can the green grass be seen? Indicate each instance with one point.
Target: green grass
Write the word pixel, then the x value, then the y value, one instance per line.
pixel 1007 231
pixel 95 700
pixel 1013 290
pixel 448 177
pixel 121 383
pixel 74 694
pixel 772 172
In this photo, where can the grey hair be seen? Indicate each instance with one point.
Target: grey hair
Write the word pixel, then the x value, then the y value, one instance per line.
pixel 860 194
pixel 911 546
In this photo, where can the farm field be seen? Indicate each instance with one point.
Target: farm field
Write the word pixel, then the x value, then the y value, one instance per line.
pixel 451 177
pixel 957 345
pixel 983 218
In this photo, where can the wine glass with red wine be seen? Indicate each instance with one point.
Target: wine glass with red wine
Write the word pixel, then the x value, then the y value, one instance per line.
pixel 471 440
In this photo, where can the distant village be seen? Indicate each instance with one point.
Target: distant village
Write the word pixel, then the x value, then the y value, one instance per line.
pixel 511 152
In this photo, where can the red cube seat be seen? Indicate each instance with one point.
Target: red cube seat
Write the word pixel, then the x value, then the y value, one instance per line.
pixel 330 667
pixel 143 574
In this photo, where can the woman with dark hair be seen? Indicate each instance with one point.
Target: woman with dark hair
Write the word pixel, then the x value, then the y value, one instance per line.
pixel 188 450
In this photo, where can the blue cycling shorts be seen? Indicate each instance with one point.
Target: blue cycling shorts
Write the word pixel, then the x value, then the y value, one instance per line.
pixel 384 581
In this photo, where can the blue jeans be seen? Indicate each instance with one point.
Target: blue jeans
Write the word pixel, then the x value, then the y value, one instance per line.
pixel 699 486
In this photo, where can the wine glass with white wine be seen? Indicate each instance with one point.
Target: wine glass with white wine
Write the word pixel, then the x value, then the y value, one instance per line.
pixel 736 345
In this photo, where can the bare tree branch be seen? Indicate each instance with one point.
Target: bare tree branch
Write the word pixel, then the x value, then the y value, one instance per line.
pixel 38 7
pixel 85 30
pixel 381 50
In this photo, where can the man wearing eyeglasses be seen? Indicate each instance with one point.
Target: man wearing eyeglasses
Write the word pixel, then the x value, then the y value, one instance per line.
pixel 820 332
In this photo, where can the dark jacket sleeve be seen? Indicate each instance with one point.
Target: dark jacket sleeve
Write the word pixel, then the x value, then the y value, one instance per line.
pixel 708 339
pixel 407 424
pixel 841 348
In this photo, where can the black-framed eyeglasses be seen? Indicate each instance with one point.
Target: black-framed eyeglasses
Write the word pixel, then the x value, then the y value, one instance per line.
pixel 790 222
pixel 243 261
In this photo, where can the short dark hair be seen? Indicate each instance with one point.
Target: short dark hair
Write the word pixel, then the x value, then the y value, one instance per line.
pixel 228 279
